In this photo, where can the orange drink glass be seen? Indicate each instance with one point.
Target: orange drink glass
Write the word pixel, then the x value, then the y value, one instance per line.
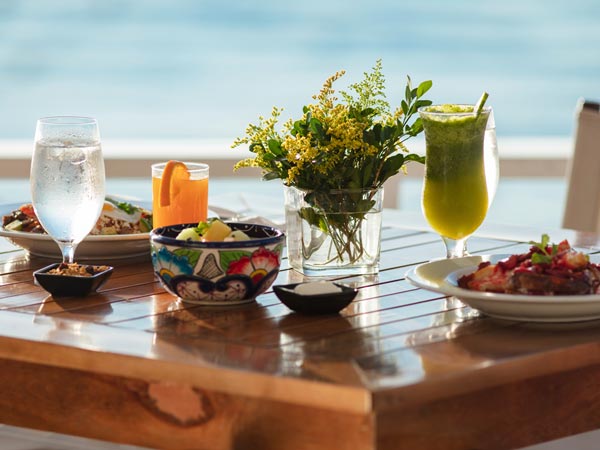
pixel 179 193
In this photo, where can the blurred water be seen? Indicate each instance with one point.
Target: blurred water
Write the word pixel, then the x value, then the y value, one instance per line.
pixel 540 199
pixel 189 69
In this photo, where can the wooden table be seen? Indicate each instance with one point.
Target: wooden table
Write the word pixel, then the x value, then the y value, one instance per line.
pixel 399 368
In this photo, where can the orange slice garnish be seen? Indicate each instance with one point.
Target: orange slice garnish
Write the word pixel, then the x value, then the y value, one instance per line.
pixel 173 170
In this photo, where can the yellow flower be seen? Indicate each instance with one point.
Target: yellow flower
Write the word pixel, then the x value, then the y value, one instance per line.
pixel 336 144
pixel 325 97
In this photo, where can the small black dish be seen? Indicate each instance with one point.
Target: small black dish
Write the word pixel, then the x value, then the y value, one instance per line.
pixel 70 285
pixel 329 303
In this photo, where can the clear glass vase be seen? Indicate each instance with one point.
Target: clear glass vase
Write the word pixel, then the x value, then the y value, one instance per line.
pixel 336 232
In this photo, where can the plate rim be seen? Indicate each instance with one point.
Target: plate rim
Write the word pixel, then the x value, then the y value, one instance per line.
pixel 97 237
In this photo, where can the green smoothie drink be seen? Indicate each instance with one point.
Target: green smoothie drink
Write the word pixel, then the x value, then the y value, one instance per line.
pixel 455 197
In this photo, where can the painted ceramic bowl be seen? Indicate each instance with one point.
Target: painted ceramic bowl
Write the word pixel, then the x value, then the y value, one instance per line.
pixel 217 273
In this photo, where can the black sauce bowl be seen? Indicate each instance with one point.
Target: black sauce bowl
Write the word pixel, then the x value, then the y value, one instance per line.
pixel 329 303
pixel 70 285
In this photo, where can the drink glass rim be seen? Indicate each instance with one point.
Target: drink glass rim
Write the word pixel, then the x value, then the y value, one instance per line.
pixel 425 110
pixel 67 120
pixel 192 167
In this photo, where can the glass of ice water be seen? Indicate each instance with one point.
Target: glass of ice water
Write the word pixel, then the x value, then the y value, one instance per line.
pixel 67 179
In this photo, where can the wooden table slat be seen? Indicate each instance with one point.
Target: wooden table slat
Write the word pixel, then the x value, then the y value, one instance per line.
pixel 399 364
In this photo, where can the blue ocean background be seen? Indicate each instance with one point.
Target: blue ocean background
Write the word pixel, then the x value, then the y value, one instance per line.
pixel 205 69
pixel 187 69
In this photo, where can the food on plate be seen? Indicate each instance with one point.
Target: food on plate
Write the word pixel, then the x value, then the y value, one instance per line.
pixel 22 219
pixel 547 269
pixel 116 218
pixel 122 218
pixel 79 270
pixel 213 230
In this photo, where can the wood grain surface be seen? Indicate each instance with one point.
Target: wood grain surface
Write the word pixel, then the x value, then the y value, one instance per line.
pixel 400 367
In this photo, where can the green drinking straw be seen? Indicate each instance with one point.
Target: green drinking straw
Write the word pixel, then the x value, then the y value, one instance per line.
pixel 479 106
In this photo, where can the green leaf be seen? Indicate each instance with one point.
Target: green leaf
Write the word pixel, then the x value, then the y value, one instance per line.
pixel 323 226
pixel 377 132
pixel 310 216
pixel 145 225
pixel 542 244
pixel 369 137
pixel 123 206
pixel 275 147
pixel 543 257
pixel 545 241
pixel 227 257
pixel 420 103
pixel 408 93
pixel 204 226
pixel 416 127
pixel 424 87
pixel 538 258
pixel 392 166
pixel 408 88
pixel 127 207
pixel 191 255
pixel 366 113
pixel 271 176
pixel 354 179
pixel 405 108
pixel 367 171
pixel 269 157
pixel 364 205
pixel 414 157
pixel 316 128
pixel 300 127
pixel 388 132
pixel 256 147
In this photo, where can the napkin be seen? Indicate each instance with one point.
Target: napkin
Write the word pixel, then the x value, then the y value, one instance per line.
pixel 249 208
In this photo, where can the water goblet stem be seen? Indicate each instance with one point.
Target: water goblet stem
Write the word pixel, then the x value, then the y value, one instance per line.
pixel 67 250
pixel 455 248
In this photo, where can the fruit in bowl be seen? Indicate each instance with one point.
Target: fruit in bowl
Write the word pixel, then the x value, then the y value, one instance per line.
pixel 232 270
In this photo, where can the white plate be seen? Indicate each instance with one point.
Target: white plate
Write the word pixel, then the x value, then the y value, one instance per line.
pixel 441 276
pixel 91 248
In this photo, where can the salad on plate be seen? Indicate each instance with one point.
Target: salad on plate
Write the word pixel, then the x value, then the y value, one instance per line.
pixel 547 269
pixel 117 218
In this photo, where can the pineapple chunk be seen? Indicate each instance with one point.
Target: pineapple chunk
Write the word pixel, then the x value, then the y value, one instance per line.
pixel 238 235
pixel 188 234
pixel 217 231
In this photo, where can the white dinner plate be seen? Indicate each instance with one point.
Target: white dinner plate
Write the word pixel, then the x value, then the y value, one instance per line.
pixel 442 275
pixel 98 247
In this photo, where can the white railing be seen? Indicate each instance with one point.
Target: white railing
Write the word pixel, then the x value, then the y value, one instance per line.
pixel 519 157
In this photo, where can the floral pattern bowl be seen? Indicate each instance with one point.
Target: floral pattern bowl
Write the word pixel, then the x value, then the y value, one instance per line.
pixel 217 273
